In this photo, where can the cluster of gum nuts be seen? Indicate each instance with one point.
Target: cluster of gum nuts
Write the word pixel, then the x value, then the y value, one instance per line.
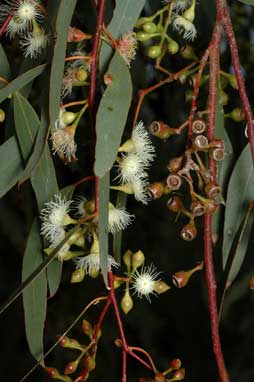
pixel 190 168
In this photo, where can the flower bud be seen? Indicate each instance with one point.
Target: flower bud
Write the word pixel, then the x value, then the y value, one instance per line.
pixel 178 375
pixel 156 190
pixel 197 208
pixel 138 259
pixel 188 53
pixel 160 129
pixel 68 117
pixel 175 204
pixel 175 164
pixel 89 207
pixel 161 287
pixel 70 343
pixel 174 182
pixel 180 279
pixel 189 14
pixel 175 364
pixel 141 21
pixel 189 231
pixel 2 115
pixel 54 374
pixel 117 283
pixel 77 276
pixel 198 126
pixel 118 343
pixel 154 51
pixel 217 154
pixel 127 259
pixel 76 35
pixel 71 367
pixel 143 36
pixel 188 96
pixel 127 302
pixel 87 328
pixel 149 27
pixel 89 363
pixel 173 46
pixel 232 81
pixel 237 115
pixel 200 142
pixel 81 75
pixel 223 97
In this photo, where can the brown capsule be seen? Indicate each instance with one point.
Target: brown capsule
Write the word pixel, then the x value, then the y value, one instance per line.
pixel 210 206
pixel 197 208
pixel 174 182
pixel 200 142
pixel 189 232
pixel 198 126
pixel 2 115
pixel 175 164
pixel 217 143
pixel 160 129
pixel 76 35
pixel 175 364
pixel 175 204
pixel 251 283
pixel 118 343
pixel 218 154
pixel 156 190
pixel 107 79
pixel 213 191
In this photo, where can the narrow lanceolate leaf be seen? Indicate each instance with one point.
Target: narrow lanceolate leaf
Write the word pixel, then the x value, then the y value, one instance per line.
pixel 35 295
pixel 43 177
pixel 124 18
pixel 63 21
pixel 21 81
pixel 103 224
pixel 11 165
pixel 239 196
pixel 4 67
pixel 112 115
pixel 242 246
pixel 248 2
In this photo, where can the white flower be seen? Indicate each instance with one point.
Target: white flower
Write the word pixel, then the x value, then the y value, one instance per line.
pixel 140 143
pixel 139 188
pixel 63 142
pixel 185 27
pixel 15 26
pixel 131 168
pixel 54 217
pixel 118 219
pixel 144 281
pixel 180 5
pixel 78 206
pixel 27 11
pixel 34 43
pixel 127 46
pixel 91 263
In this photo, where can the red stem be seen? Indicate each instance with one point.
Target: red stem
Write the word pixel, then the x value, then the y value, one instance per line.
pixel 91 96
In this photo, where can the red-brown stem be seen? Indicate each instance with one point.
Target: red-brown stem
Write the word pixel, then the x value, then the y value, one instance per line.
pixel 124 365
pixel 208 254
pixel 227 24
pixel 91 96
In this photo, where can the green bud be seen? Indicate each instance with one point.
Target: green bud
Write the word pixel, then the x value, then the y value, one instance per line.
pixel 138 259
pixel 154 51
pixel 127 259
pixel 161 287
pixel 223 97
pixel 149 27
pixel 81 75
pixel 141 21
pixel 173 46
pixel 68 117
pixel 143 36
pixel 2 115
pixel 87 328
pixel 127 302
pixel 70 343
pixel 89 363
pixel 237 115
pixel 77 276
pixel 232 81
pixel 71 367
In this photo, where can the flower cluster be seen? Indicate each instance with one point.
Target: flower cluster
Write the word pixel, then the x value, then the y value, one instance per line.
pixel 25 22
pixel 138 152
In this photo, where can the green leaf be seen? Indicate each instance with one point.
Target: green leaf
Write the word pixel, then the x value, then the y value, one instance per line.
pixel 117 239
pixel 112 115
pixel 248 2
pixel 103 224
pixel 11 165
pixel 63 21
pixel 124 18
pixel 5 70
pixel 242 246
pixel 20 81
pixel 239 195
pixel 35 295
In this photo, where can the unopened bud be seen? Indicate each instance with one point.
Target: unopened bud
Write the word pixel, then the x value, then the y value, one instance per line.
pixel 189 231
pixel 237 115
pixel 175 204
pixel 138 259
pixel 188 53
pixel 161 287
pixel 198 126
pixel 141 21
pixel 223 97
pixel 87 328
pixel 127 259
pixel 2 115
pixel 76 35
pixel 154 51
pixel 232 81
pixel 143 36
pixel 89 363
pixel 175 164
pixel 178 375
pixel 54 374
pixel 173 46
pixel 159 377
pixel 127 302
pixel 70 343
pixel 174 182
pixel 77 276
pixel 71 367
pixel 89 207
pixel 160 129
pixel 149 27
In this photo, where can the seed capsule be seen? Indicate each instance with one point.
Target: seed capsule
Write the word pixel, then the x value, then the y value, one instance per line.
pixel 175 164
pixel 175 204
pixel 160 129
pixel 198 126
pixel 200 142
pixel 197 208
pixel 218 154
pixel 156 190
pixel 174 182
pixel 189 232
pixel 213 191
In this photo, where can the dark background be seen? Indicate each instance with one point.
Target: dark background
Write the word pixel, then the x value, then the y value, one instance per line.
pixel 175 324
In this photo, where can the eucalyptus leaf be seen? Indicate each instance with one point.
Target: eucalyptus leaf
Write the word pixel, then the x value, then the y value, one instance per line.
pixel 124 18
pixel 112 115
pixel 248 2
pixel 21 81
pixel 239 195
pixel 11 166
pixel 63 21
pixel 103 224
pixel 5 70
pixel 35 295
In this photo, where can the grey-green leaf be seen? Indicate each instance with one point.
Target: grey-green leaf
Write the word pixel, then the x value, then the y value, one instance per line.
pixel 248 2
pixel 112 115
pixel 103 224
pixel 35 295
pixel 11 165
pixel 63 20
pixel 124 18
pixel 4 66
pixel 20 81
pixel 240 194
